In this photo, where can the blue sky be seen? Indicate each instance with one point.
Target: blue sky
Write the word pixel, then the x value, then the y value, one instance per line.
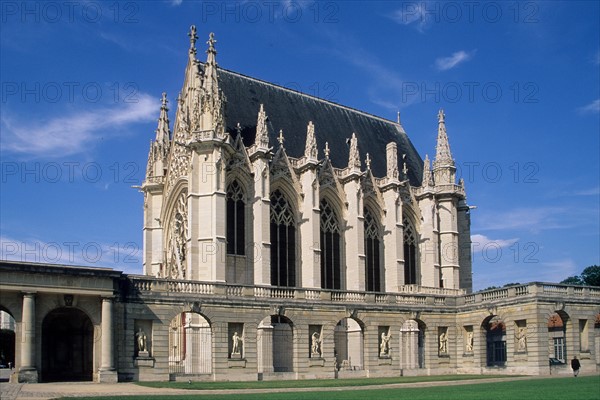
pixel 519 82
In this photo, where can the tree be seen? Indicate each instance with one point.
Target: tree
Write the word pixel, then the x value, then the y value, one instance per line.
pixel 589 276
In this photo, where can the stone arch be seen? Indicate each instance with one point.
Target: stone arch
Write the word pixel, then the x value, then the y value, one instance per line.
pixel 558 327
pixel 412 343
pixel 275 344
pixel 493 334
pixel 8 332
pixel 190 344
pixel 349 344
pixel 67 345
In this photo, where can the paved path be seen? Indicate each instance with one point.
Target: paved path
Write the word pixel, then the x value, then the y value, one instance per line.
pixel 43 391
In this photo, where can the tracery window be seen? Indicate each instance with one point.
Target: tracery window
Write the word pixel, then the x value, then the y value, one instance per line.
pixel 236 219
pixel 410 253
pixel 283 242
pixel 372 248
pixel 330 248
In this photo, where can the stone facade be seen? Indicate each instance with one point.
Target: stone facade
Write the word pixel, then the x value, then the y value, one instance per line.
pixel 267 255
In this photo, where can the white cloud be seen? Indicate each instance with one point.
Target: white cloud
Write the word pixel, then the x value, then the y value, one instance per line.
pixel 72 133
pixel 482 241
pixel 446 63
pixel 588 192
pixel 413 14
pixel 592 108
pixel 527 218
pixel 176 2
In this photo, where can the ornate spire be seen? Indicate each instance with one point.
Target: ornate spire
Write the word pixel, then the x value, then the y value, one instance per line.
pixel 427 176
pixel 444 169
pixel 443 156
pixel 354 159
pixel 193 37
pixel 262 133
pixel 163 134
pixel 280 138
pixel 326 150
pixel 211 58
pixel 210 82
pixel 310 149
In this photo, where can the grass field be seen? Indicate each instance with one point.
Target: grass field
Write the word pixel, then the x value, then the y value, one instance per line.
pixel 568 388
pixel 313 382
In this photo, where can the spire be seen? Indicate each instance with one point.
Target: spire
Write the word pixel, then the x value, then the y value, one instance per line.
pixel 368 161
pixel 398 118
pixel 210 83
pixel 427 176
pixel 193 37
pixel 310 149
pixel 444 169
pixel 280 138
pixel 262 133
pixel 354 158
pixel 443 156
pixel 326 150
pixel 163 134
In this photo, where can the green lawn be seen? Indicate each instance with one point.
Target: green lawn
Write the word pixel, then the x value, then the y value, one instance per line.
pixel 312 382
pixel 568 388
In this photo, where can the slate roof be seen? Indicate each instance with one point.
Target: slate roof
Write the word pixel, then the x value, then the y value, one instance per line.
pixel 291 111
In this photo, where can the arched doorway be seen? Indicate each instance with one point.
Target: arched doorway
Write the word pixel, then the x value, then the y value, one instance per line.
pixel 67 346
pixel 348 340
pixel 275 338
pixel 412 344
pixel 557 336
pixel 495 339
pixel 7 339
pixel 190 345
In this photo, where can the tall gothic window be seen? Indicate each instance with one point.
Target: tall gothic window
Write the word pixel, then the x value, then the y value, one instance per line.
pixel 373 260
pixel 236 221
pixel 330 248
pixel 283 242
pixel 410 253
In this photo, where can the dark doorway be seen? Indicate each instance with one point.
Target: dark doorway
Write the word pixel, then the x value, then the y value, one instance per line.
pixel 67 346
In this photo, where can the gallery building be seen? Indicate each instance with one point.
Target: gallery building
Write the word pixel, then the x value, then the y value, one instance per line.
pixel 289 237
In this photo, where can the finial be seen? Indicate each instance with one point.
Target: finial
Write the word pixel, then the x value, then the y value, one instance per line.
pixel 164 100
pixel 368 161
pixel 193 37
pixel 238 128
pixel 398 118
pixel 326 149
pixel 211 43
pixel 404 167
pixel 280 138
pixel 441 115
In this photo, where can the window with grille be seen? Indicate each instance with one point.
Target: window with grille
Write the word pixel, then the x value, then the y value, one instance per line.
pixel 410 253
pixel 330 248
pixel 372 254
pixel 236 219
pixel 283 242
pixel 560 349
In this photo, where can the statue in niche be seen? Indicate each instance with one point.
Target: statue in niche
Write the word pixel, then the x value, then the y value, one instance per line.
pixel 141 340
pixel 237 343
pixel 469 344
pixel 384 347
pixel 444 342
pixel 522 339
pixel 315 347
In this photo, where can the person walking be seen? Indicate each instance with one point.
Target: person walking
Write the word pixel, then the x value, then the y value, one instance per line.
pixel 575 365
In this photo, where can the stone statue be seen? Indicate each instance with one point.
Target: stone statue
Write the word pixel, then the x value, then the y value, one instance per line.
pixel 315 347
pixel 384 347
pixel 237 343
pixel 443 342
pixel 522 339
pixel 141 341
pixel 469 344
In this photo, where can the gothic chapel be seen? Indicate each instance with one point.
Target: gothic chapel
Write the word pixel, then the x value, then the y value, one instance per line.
pixel 289 237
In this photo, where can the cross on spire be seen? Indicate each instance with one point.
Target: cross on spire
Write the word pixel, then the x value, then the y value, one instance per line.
pixel 326 149
pixel 280 138
pixel 368 161
pixel 211 42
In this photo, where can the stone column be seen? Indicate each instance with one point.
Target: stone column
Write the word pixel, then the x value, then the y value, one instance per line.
pixel 107 371
pixel 28 372
pixel 265 348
